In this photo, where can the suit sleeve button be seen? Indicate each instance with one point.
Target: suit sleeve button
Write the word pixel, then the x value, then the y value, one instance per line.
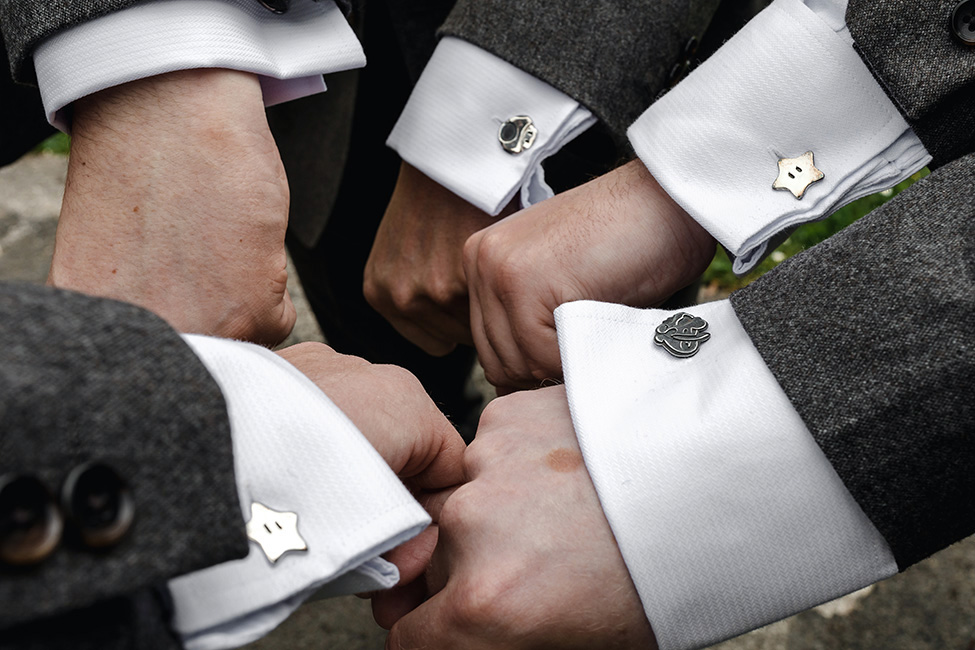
pixel 98 503
pixel 277 6
pixel 30 523
pixel 963 22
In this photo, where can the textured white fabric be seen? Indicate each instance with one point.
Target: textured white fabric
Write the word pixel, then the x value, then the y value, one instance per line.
pixel 789 82
pixel 449 127
pixel 294 450
pixel 727 513
pixel 152 38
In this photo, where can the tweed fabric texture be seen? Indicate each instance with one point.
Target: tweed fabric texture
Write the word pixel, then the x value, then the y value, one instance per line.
pixel 87 379
pixel 612 56
pixel 870 334
pixel 136 622
pixel 910 48
pixel 26 24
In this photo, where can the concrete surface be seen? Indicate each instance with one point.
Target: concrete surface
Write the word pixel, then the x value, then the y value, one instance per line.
pixel 929 607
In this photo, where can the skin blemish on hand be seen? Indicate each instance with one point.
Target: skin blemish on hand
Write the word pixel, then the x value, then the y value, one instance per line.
pixel 564 460
pixel 135 209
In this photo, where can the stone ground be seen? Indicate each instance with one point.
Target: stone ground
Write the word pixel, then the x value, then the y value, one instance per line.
pixel 929 607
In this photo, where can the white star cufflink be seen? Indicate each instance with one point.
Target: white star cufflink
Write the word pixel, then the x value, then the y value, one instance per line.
pixel 275 532
pixel 796 174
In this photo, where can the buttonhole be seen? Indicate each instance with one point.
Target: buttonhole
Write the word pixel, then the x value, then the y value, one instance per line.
pixel 798 169
pixel 267 529
pixel 790 175
pixel 278 525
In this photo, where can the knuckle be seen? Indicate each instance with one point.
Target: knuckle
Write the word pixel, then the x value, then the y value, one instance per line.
pixel 470 253
pixel 400 379
pixel 403 298
pixel 456 510
pixel 483 603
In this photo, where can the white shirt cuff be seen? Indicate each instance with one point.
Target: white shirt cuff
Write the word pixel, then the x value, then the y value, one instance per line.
pixel 726 511
pixel 789 82
pixel 294 451
pixel 449 127
pixel 151 38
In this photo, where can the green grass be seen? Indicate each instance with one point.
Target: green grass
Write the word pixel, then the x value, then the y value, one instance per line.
pixel 719 277
pixel 59 143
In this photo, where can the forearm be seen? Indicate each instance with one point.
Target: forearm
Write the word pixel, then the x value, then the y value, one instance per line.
pixel 140 223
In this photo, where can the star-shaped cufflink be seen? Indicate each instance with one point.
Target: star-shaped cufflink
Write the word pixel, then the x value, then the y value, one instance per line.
pixel 796 174
pixel 275 532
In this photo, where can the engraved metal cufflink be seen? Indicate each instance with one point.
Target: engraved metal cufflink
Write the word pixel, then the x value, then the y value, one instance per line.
pixel 796 174
pixel 275 532
pixel 682 334
pixel 517 134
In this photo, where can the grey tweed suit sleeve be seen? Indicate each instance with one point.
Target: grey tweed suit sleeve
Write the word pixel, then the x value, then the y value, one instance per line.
pixel 26 24
pixel 872 336
pixel 612 56
pixel 85 379
pixel 928 75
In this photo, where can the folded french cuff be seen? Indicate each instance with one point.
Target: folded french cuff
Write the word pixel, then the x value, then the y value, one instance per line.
pixel 151 38
pixel 450 126
pixel 294 451
pixel 787 83
pixel 726 512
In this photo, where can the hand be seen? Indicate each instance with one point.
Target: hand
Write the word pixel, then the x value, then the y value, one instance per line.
pixel 619 238
pixel 391 409
pixel 177 200
pixel 415 273
pixel 526 558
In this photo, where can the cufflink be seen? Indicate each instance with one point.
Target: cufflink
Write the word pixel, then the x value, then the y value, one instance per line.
pixel 517 134
pixel 682 334
pixel 796 174
pixel 275 532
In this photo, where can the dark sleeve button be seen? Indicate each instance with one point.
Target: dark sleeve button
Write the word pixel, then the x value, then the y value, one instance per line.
pixel 277 6
pixel 963 22
pixel 30 523
pixel 98 503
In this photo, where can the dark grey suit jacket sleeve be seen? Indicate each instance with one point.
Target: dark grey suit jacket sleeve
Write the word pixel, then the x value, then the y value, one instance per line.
pixel 85 379
pixel 926 72
pixel 612 56
pixel 872 336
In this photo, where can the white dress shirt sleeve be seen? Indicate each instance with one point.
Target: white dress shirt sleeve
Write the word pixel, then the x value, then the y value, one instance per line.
pixel 449 127
pixel 789 82
pixel 726 511
pixel 294 451
pixel 289 52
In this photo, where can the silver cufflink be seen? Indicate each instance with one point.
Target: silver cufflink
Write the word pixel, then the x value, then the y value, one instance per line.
pixel 682 334
pixel 517 134
pixel 275 532
pixel 796 174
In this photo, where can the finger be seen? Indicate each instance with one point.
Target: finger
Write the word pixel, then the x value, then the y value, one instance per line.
pixel 413 557
pixel 538 343
pixel 428 626
pixel 433 502
pixel 433 344
pixel 485 353
pixel 512 369
pixel 437 456
pixel 393 604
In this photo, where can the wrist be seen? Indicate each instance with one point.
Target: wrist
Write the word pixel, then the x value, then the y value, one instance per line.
pixel 185 104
